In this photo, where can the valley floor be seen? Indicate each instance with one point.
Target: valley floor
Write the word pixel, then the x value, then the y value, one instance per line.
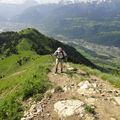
pixel 72 99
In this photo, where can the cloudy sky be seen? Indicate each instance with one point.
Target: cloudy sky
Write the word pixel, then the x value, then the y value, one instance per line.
pixel 22 1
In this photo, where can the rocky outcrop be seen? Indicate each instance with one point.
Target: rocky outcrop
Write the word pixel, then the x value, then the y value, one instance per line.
pixel 86 88
pixel 34 110
pixel 68 108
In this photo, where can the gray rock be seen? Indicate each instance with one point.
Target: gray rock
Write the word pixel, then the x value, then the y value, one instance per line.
pixel 117 99
pixel 89 117
pixel 26 113
pixel 23 118
pixel 71 69
pixel 84 85
pixel 112 119
pixel 90 101
pixel 69 108
pixel 33 107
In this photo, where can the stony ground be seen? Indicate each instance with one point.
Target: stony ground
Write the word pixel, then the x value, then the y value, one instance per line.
pixel 72 99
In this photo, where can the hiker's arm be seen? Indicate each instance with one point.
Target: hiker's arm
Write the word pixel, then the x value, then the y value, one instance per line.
pixel 55 53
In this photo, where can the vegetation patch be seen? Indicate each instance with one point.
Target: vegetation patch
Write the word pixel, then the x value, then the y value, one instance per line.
pixel 22 82
pixel 58 89
pixel 113 78
pixel 38 97
pixel 49 95
pixel 89 108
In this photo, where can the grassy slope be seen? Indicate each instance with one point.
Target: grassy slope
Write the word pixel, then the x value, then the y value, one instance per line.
pixel 114 79
pixel 29 79
pixel 21 82
pixel 24 75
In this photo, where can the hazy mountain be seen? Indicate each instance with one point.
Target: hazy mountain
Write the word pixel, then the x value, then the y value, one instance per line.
pixel 9 9
pixel 2 18
pixel 91 21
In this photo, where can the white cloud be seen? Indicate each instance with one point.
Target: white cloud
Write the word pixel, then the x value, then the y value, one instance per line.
pixel 40 1
pixel 21 1
pixel 48 1
pixel 12 1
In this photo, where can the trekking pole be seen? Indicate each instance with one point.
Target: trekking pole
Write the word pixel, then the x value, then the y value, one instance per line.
pixel 52 56
pixel 65 65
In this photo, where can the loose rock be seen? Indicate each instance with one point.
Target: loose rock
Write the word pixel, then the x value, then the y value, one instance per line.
pixel 117 99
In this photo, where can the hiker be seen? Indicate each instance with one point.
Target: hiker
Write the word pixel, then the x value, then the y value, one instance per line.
pixel 60 57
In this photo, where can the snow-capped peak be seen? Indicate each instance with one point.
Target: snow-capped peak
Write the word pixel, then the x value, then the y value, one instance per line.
pixel 79 1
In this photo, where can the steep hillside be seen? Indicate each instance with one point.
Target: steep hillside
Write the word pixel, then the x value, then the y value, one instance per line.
pixel 79 93
pixel 31 39
pixel 25 83
pixel 21 77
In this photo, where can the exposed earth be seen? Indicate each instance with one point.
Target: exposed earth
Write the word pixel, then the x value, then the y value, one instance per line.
pixel 72 99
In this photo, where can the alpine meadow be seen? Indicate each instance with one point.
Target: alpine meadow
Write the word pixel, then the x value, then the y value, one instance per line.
pixel 36 83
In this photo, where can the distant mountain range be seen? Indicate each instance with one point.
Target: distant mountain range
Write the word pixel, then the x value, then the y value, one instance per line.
pixel 2 18
pixel 14 8
pixel 93 22
pixel 9 10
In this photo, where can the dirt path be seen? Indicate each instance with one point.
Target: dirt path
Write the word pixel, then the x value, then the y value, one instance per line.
pixel 93 92
pixel 15 74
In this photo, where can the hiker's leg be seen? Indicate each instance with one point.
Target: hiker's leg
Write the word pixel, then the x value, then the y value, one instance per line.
pixel 61 65
pixel 56 66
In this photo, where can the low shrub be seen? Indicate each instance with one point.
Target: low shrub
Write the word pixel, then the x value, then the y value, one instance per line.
pixel 89 108
pixel 31 88
pixel 38 97
pixel 11 109
pixel 58 89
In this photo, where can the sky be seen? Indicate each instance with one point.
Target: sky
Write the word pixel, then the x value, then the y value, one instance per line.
pixel 22 1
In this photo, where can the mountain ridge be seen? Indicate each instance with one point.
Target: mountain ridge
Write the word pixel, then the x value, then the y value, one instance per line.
pixel 26 79
pixel 33 40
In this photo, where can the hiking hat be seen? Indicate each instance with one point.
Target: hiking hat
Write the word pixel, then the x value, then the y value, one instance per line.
pixel 59 49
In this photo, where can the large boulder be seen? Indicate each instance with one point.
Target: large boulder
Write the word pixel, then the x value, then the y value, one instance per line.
pixel 68 108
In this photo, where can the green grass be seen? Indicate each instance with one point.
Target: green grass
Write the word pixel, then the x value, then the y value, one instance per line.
pixel 21 82
pixel 24 45
pixel 110 77
pixel 89 109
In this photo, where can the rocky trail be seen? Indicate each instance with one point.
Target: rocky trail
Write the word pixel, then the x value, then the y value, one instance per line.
pixel 72 99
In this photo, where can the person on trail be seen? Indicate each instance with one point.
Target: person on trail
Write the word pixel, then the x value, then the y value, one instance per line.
pixel 60 57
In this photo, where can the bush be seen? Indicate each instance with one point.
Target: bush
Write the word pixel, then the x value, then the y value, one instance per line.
pixel 31 88
pixel 49 95
pixel 38 97
pixel 59 89
pixel 11 110
pixel 89 108
pixel 70 73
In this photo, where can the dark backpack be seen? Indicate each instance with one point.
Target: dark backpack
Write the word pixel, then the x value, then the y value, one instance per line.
pixel 62 54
